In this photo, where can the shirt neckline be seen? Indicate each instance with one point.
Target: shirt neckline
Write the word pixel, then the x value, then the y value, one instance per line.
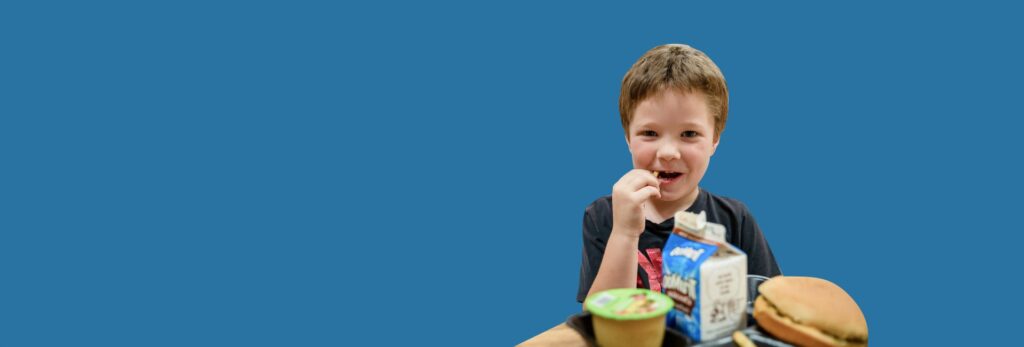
pixel 670 223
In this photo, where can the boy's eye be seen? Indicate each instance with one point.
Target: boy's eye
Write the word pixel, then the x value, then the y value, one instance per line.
pixel 690 133
pixel 647 133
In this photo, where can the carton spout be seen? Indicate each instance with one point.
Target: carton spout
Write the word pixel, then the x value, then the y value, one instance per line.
pixel 696 225
pixel 691 222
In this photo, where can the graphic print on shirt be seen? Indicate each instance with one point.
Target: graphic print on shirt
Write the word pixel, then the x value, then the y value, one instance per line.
pixel 650 264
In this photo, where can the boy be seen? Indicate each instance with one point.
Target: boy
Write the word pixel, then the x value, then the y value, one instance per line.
pixel 673 105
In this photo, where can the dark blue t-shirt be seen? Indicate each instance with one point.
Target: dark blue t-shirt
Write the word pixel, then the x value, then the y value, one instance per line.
pixel 741 231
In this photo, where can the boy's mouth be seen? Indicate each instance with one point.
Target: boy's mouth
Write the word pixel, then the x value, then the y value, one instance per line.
pixel 667 177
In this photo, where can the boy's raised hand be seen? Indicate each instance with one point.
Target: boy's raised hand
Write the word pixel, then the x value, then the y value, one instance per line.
pixel 629 194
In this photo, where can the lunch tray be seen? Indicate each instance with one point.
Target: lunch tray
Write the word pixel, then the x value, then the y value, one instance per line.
pixel 582 323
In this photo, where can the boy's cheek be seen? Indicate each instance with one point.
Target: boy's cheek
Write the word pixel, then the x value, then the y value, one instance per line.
pixel 642 159
pixel 640 152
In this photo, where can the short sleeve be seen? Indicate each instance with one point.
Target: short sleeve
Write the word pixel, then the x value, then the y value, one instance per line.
pixel 593 251
pixel 760 259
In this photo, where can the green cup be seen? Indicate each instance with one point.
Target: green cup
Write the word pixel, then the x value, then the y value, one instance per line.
pixel 629 317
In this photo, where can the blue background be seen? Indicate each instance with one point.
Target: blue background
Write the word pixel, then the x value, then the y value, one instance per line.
pixel 313 173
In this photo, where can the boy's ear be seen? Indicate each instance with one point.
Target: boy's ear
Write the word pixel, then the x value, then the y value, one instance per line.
pixel 714 145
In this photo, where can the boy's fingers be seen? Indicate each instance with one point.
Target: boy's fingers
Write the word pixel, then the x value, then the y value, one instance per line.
pixel 647 180
pixel 650 179
pixel 629 179
pixel 641 178
pixel 645 174
pixel 646 193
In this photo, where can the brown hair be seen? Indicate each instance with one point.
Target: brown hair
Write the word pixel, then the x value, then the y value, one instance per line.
pixel 676 66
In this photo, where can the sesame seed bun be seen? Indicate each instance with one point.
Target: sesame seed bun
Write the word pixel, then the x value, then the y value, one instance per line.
pixel 810 311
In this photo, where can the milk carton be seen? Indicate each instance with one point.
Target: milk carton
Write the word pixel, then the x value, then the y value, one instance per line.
pixel 705 277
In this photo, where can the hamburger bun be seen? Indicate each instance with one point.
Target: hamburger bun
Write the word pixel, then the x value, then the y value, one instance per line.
pixel 809 311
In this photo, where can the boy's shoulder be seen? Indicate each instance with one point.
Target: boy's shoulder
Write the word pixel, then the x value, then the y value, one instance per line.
pixel 724 202
pixel 719 204
pixel 600 206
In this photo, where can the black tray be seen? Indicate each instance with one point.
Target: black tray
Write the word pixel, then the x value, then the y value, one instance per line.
pixel 582 323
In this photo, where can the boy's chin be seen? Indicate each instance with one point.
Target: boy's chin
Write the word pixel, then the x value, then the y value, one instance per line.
pixel 669 197
pixel 673 196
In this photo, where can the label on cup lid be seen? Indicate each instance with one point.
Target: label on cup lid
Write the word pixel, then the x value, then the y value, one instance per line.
pixel 628 304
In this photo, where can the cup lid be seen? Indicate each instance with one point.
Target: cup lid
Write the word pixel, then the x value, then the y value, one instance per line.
pixel 628 304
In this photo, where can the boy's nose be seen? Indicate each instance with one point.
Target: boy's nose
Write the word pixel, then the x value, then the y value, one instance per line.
pixel 668 152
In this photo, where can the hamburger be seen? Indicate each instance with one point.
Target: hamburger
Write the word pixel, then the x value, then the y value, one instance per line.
pixel 808 311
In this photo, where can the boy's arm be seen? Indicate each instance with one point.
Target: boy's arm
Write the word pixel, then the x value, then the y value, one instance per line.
pixel 618 266
pixel 619 263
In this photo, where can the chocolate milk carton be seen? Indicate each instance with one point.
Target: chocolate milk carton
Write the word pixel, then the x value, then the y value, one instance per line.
pixel 705 277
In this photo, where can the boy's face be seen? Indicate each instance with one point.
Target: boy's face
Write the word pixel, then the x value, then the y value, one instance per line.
pixel 673 132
